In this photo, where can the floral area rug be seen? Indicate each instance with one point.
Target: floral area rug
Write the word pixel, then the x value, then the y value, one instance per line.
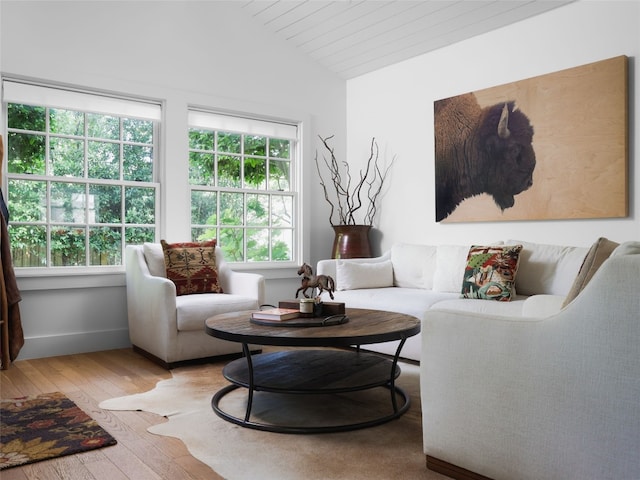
pixel 46 426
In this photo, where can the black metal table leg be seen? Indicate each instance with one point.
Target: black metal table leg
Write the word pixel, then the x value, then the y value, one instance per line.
pixel 392 378
pixel 247 354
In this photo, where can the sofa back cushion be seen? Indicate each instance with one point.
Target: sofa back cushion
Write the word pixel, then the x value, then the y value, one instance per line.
pixel 413 265
pixel 547 269
pixel 356 275
pixel 154 256
pixel 451 261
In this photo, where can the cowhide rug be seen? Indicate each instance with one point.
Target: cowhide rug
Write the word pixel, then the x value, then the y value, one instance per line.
pixel 392 450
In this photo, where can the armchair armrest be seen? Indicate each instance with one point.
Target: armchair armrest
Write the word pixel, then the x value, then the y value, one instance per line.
pixel 242 283
pixel 151 302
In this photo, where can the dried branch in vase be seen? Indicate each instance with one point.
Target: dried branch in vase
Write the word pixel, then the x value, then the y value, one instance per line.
pixel 346 196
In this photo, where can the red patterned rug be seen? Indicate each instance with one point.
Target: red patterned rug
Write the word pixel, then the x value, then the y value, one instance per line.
pixel 46 426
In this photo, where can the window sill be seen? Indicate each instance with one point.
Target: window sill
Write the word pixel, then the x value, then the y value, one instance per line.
pixel 29 281
pixel 32 280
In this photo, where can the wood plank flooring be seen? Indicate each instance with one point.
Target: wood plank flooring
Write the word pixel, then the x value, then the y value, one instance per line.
pixel 89 379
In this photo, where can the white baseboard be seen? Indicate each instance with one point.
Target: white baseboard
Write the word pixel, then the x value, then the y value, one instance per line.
pixel 55 345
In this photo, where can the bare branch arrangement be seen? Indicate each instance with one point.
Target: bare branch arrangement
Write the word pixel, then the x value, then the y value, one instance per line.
pixel 346 198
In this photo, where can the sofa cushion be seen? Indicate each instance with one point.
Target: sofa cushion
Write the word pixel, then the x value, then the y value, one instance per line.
pixel 450 265
pixel 191 266
pixel 413 265
pixel 513 308
pixel 490 272
pixel 598 253
pixel 356 275
pixel 193 310
pixel 547 269
pixel 410 301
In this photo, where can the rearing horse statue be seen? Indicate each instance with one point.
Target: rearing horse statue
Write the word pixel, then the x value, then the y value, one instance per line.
pixel 309 280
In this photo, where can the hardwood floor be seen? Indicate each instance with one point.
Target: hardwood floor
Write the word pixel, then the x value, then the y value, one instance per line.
pixel 88 379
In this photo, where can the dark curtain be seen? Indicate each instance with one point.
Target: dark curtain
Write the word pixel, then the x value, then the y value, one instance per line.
pixel 11 335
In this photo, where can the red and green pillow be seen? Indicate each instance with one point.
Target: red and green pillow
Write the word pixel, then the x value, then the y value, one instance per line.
pixel 191 266
pixel 490 272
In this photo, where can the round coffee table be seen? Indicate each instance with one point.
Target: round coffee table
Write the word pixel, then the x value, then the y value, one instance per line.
pixel 314 371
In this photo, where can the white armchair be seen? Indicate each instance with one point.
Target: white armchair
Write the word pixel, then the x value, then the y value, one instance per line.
pixel 170 329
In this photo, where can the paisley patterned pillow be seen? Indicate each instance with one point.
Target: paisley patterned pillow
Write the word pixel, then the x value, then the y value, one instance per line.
pixel 490 273
pixel 192 266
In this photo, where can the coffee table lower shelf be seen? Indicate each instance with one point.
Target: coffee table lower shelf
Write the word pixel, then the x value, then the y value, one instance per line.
pixel 309 372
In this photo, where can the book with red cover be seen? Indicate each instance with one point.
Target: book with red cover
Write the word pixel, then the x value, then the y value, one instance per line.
pixel 276 314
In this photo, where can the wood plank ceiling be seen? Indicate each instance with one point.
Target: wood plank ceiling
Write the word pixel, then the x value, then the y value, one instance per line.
pixel 351 37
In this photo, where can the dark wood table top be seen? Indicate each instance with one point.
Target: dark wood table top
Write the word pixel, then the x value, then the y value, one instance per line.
pixel 364 327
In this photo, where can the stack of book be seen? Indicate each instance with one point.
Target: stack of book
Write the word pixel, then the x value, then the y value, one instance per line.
pixel 276 314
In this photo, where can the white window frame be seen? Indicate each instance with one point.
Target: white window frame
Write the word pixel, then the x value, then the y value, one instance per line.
pixel 42 94
pixel 233 122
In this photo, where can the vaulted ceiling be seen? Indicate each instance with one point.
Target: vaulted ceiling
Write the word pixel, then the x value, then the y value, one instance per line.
pixel 354 37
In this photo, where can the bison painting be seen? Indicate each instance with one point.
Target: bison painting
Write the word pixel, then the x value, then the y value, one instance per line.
pixel 480 150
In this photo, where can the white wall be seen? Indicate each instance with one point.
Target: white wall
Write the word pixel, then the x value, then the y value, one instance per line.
pixel 208 54
pixel 395 104
pixel 202 53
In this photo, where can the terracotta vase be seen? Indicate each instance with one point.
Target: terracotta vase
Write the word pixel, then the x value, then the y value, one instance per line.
pixel 351 241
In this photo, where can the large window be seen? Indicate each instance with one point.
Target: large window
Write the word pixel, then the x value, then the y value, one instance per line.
pixel 81 175
pixel 243 191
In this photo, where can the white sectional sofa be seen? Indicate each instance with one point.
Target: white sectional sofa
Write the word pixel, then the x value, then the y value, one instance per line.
pixel 414 279
pixel 543 387
pixel 553 397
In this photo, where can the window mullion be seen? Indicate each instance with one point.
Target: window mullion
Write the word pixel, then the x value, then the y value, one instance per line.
pixel 100 219
pixel 244 152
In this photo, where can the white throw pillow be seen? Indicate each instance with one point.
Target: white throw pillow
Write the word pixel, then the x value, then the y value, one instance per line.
pixel 413 265
pixel 355 275
pixel 451 261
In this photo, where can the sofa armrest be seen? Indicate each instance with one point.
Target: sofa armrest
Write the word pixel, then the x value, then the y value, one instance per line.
pixel 502 396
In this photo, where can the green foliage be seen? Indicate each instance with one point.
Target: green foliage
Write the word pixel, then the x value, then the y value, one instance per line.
pixel 104 160
pixel 137 131
pixel 67 246
pixel 103 126
pixel 246 163
pixel 237 202
pixel 27 200
pixel 105 246
pixel 26 153
pixel 139 235
pixel 66 122
pixel 138 163
pixel 28 245
pixel 78 208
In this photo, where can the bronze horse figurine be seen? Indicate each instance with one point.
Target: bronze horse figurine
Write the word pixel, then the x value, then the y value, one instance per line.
pixel 309 280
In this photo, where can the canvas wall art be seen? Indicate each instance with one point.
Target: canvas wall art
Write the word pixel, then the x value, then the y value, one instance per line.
pixel 545 148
